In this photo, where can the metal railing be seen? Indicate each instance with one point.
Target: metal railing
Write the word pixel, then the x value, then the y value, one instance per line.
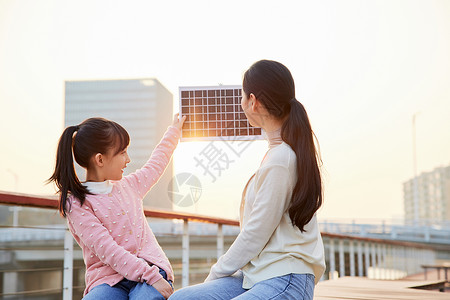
pixel 374 258
pixel 346 255
pixel 436 234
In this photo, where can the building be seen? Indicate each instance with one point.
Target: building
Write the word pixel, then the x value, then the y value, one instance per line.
pixel 144 107
pixel 433 197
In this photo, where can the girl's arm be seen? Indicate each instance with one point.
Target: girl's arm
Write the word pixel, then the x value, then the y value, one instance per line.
pixel 97 239
pixel 272 185
pixel 144 178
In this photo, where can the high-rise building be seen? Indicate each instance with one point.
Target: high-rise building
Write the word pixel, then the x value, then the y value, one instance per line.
pixel 433 197
pixel 144 107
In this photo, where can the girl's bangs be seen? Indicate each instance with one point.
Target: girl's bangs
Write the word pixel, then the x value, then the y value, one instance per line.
pixel 121 138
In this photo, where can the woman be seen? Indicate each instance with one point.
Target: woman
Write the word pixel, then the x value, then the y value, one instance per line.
pixel 279 252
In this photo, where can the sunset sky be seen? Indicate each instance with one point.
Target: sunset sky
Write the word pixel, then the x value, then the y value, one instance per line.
pixel 362 70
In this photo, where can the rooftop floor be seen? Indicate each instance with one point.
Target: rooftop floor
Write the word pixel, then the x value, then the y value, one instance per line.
pixel 356 288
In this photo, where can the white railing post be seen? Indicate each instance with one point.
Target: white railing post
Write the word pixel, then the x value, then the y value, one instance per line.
pixel 367 258
pixel 68 266
pixel 383 261
pixel 374 259
pixel 417 259
pixel 341 258
pixel 402 267
pixel 405 260
pixel 393 262
pixel 352 258
pixel 389 262
pixel 332 261
pixel 360 260
pixel 410 261
pixel 397 261
pixel 380 262
pixel 185 255
pixel 219 240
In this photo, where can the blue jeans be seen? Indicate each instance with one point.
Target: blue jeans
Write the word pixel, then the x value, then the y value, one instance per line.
pixel 126 289
pixel 291 286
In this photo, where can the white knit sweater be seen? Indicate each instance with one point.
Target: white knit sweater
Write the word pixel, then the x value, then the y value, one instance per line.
pixel 268 245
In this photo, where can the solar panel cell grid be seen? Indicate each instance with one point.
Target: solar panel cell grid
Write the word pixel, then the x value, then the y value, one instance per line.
pixel 215 112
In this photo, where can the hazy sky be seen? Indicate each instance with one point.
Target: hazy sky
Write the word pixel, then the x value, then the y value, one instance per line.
pixel 362 69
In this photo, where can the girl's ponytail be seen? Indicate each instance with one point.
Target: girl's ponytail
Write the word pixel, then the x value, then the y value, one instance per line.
pixel 64 175
pixel 307 195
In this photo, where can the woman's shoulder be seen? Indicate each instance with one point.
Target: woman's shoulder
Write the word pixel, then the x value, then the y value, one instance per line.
pixel 282 155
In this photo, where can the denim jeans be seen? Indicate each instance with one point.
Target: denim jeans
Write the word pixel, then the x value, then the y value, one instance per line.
pixel 291 286
pixel 126 289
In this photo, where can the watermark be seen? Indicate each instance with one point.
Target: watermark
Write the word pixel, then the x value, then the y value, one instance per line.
pixel 214 159
pixel 184 189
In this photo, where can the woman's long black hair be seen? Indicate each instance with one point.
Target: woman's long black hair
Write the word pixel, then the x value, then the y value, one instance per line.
pixel 92 136
pixel 272 84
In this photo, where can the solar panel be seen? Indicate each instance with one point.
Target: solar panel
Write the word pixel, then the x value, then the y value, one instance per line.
pixel 215 112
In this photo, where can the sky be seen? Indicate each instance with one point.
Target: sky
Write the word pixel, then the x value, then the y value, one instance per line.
pixel 362 70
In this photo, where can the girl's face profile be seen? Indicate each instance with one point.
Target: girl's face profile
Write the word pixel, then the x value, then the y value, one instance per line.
pixel 115 163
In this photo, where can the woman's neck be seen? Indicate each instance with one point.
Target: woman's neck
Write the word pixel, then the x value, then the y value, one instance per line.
pixel 274 137
pixel 272 128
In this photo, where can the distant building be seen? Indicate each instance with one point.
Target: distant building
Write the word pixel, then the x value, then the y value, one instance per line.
pixel 433 194
pixel 144 107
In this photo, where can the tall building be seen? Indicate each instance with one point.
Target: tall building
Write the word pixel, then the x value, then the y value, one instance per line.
pixel 433 197
pixel 144 107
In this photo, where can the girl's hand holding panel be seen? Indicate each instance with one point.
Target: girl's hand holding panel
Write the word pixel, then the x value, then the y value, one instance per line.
pixel 178 122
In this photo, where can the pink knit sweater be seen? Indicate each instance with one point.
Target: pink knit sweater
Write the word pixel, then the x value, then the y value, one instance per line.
pixel 112 230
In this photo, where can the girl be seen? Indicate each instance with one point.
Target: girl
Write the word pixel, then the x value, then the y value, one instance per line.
pixel 279 252
pixel 105 213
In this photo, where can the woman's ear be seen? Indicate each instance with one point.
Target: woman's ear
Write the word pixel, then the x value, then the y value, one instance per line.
pixel 254 103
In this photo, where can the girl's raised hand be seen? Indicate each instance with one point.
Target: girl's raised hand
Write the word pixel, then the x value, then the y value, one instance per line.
pixel 178 122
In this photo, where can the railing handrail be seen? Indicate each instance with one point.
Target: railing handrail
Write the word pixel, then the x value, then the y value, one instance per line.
pixel 51 202
pixel 417 234
pixel 9 198
pixel 376 240
pixel 386 228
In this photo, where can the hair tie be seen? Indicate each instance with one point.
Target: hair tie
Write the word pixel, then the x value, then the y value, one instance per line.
pixel 77 127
